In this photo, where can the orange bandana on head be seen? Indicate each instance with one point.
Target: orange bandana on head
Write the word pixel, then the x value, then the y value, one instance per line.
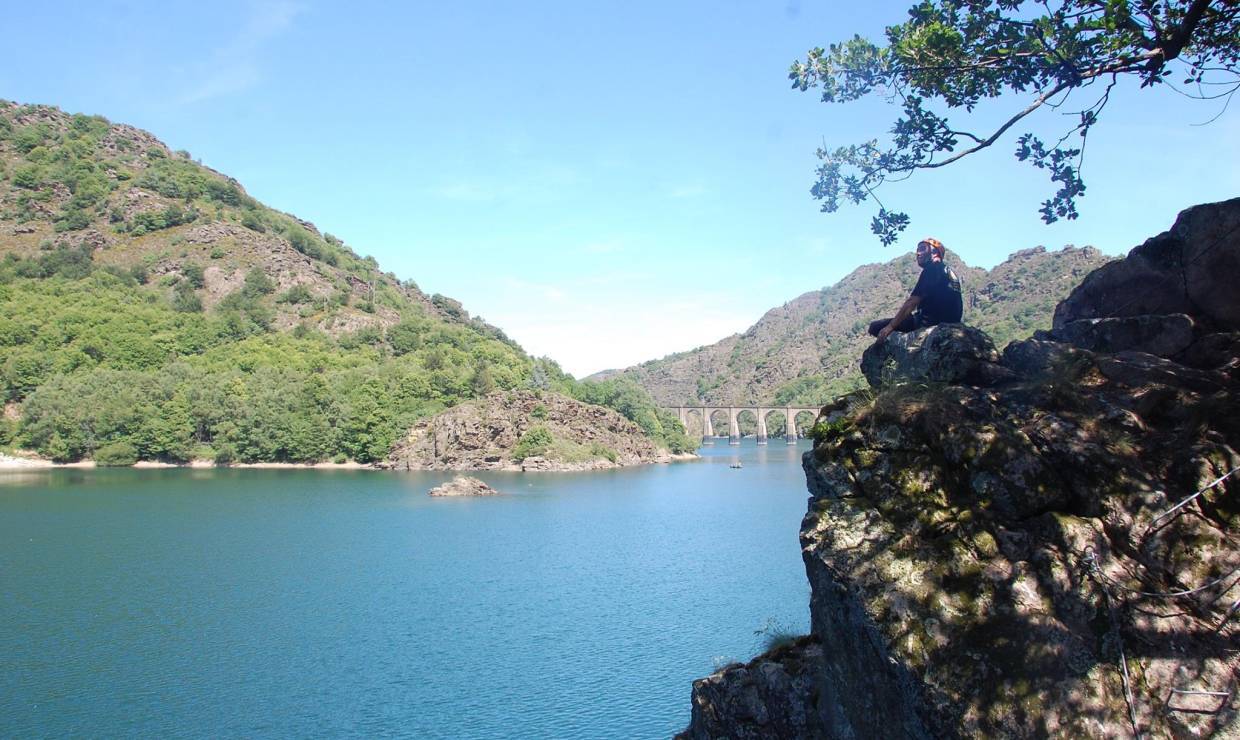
pixel 937 250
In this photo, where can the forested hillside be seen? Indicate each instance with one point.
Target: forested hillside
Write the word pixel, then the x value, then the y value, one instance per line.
pixel 151 309
pixel 806 352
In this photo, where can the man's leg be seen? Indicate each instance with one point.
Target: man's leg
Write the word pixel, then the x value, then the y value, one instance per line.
pixel 909 324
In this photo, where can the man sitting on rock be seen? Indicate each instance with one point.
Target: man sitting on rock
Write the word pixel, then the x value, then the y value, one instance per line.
pixel 935 299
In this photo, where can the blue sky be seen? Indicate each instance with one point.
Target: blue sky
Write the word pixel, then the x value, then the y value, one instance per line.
pixel 607 182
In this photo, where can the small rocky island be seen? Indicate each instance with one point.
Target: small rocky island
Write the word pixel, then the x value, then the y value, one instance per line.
pixel 525 430
pixel 463 485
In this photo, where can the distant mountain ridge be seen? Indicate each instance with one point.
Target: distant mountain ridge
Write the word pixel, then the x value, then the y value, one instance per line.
pixel 807 350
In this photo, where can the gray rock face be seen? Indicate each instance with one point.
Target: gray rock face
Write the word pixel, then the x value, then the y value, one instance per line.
pixel 1191 269
pixel 1037 357
pixel 771 698
pixel 463 485
pixel 1165 335
pixel 947 353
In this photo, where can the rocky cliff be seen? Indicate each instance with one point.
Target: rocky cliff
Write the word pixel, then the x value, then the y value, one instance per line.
pixel 805 351
pixel 525 430
pixel 1038 543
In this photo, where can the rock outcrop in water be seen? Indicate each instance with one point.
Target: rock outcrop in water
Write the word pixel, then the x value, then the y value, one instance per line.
pixel 525 430
pixel 463 485
pixel 1005 554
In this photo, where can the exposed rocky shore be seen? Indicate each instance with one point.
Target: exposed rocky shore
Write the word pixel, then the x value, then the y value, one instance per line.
pixel 995 543
pixel 525 430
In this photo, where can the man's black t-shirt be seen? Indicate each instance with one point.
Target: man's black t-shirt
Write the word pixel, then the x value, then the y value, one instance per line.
pixel 939 289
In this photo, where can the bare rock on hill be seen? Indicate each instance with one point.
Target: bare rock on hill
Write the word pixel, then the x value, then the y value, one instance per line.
pixel 463 485
pixel 524 430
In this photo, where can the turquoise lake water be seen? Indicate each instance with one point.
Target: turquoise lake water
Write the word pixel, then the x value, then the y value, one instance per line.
pixel 265 603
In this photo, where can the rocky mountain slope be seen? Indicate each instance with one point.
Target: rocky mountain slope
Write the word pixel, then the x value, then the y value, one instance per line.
pixel 805 351
pixel 76 181
pixel 524 430
pixel 150 309
pixel 1041 542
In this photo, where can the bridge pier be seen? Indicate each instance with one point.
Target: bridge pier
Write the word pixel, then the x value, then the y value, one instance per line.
pixel 790 431
pixel 708 429
pixel 734 428
pixel 762 426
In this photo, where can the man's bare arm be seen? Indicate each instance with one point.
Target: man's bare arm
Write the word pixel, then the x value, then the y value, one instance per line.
pixel 905 311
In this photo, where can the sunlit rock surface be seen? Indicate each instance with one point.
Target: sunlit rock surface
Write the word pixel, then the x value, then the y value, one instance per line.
pixel 947 353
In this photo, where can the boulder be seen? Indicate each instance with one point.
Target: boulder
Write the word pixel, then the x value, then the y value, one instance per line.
pixel 1164 335
pixel 463 485
pixel 1036 357
pixel 947 353
pixel 771 697
pixel 1190 269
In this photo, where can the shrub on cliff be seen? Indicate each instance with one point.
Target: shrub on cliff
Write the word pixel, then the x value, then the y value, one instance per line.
pixel 534 443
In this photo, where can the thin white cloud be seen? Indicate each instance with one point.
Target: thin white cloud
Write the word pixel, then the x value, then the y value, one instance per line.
pixel 603 248
pixel 464 191
pixel 814 244
pixel 550 293
pixel 540 182
pixel 689 190
pixel 234 66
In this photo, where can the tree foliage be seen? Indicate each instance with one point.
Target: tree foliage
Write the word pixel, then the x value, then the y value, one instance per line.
pixel 952 55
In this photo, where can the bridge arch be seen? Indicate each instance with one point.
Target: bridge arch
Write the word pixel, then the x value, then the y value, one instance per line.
pixel 776 420
pixel 802 420
pixel 717 423
pixel 694 420
pixel 748 423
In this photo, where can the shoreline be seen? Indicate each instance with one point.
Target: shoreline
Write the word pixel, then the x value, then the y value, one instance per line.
pixel 11 462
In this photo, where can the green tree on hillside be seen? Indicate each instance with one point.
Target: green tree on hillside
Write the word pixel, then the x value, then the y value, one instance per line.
pixel 956 54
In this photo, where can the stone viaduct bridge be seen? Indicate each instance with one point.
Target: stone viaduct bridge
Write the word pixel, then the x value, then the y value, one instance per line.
pixel 790 414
